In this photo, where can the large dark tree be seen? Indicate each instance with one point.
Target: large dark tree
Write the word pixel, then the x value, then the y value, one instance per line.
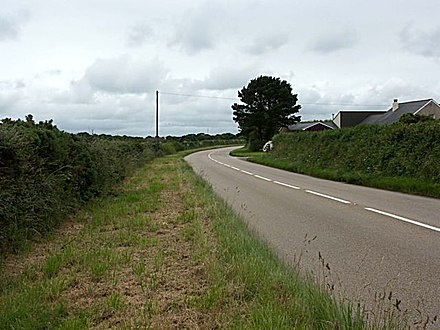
pixel 267 105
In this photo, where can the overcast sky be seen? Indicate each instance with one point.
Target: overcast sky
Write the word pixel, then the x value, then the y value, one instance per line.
pixel 94 65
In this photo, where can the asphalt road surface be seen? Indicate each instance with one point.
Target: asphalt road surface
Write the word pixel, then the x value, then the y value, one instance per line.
pixel 378 247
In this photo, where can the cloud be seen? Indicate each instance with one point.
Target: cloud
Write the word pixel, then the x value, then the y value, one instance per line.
pixel 333 42
pixel 10 26
pixel 198 30
pixel 123 75
pixel 225 78
pixel 264 44
pixel 11 94
pixel 197 115
pixel 419 42
pixel 401 89
pixel 139 35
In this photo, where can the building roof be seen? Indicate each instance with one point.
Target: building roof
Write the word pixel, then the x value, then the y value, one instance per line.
pixel 306 125
pixel 392 116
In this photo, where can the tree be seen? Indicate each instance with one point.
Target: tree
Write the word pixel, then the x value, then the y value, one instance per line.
pixel 267 105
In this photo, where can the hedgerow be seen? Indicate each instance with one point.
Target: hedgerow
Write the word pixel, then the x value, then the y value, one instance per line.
pixel 403 150
pixel 46 173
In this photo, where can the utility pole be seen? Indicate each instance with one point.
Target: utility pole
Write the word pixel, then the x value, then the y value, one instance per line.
pixel 157 114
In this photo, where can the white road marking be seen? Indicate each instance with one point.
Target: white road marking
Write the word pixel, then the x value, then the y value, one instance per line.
pixel 424 225
pixel 262 177
pixel 329 197
pixel 394 216
pixel 286 185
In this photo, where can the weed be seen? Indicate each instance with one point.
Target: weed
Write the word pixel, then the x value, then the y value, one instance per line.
pixel 53 265
pixel 115 301
pixel 139 268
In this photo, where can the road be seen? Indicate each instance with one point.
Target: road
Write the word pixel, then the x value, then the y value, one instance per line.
pixel 378 247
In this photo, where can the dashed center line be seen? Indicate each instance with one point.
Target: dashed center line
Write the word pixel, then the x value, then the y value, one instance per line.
pixel 394 216
pixel 328 197
pixel 398 217
pixel 262 177
pixel 286 185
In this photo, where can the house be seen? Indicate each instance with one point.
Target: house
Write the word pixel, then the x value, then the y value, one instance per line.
pixel 350 118
pixel 428 107
pixel 313 126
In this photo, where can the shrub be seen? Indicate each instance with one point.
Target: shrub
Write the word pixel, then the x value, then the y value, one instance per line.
pixel 398 150
pixel 46 173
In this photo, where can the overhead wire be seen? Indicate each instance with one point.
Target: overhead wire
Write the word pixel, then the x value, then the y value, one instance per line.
pixel 236 98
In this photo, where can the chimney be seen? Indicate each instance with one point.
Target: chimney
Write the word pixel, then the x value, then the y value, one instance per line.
pixel 395 104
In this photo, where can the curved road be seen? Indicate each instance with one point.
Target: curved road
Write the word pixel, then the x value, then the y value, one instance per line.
pixel 378 247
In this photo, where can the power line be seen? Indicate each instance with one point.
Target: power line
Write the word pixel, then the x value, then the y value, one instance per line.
pixel 202 96
pixel 349 104
pixel 236 98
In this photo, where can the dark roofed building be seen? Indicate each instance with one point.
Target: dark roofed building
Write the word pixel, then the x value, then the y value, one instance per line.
pixel 350 118
pixel 313 126
pixel 428 107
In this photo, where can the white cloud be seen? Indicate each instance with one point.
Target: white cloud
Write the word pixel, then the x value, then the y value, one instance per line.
pixel 124 75
pixel 386 92
pixel 329 42
pixel 69 63
pixel 197 29
pixel 420 42
pixel 10 25
pixel 139 35
pixel 264 44
pixel 226 78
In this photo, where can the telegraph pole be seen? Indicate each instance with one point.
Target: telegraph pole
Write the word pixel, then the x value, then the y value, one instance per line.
pixel 157 114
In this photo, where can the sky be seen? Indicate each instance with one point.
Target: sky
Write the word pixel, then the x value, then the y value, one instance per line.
pixel 95 65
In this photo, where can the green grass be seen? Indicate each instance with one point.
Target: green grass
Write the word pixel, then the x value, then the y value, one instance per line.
pixel 402 184
pixel 164 252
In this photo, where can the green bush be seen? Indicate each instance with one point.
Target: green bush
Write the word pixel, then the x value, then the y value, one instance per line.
pixel 403 149
pixel 46 173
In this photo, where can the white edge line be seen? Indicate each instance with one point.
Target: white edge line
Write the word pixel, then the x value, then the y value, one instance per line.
pixel 329 197
pixel 262 177
pixel 403 219
pixel 286 185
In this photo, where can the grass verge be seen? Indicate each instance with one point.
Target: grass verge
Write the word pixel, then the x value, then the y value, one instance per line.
pixel 163 252
pixel 408 185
